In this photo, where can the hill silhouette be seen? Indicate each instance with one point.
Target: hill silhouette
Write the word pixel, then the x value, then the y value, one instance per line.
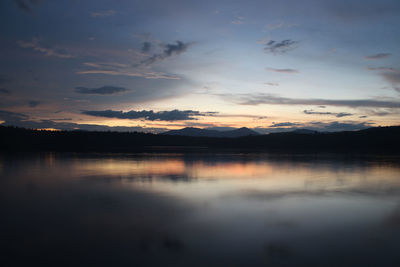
pixel 379 139
pixel 197 132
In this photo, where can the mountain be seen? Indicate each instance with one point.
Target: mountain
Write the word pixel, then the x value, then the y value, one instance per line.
pixel 239 132
pixel 305 131
pixel 197 132
pixel 373 140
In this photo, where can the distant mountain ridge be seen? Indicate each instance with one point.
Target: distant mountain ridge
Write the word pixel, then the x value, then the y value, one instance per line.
pixel 304 131
pixel 372 140
pixel 197 132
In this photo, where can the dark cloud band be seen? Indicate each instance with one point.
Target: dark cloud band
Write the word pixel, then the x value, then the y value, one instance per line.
pixel 169 50
pixel 290 71
pixel 173 115
pixel 104 90
pixel 257 99
pixel 378 56
pixel 336 114
pixel 281 47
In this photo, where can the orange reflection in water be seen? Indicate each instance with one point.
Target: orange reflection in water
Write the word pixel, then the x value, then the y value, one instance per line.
pixel 202 176
pixel 231 169
pixel 175 166
pixel 131 167
pixel 236 174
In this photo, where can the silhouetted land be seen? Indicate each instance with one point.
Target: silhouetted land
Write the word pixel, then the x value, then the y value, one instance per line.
pixel 374 140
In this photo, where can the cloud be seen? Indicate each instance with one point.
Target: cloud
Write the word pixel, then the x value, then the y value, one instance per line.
pixel 104 90
pixel 339 126
pixel 33 103
pixel 168 51
pixel 314 126
pixel 26 5
pixel 47 51
pixel 281 47
pixel 142 67
pixel 338 115
pixel 4 91
pixel 378 56
pixel 272 84
pixel 393 78
pixel 146 46
pixel 282 70
pixel 381 112
pixel 257 99
pixel 382 68
pixel 103 13
pixel 147 75
pixel 118 69
pixel 22 120
pixel 238 20
pixel 177 48
pixel 389 74
pixel 112 68
pixel 173 115
pixel 9 116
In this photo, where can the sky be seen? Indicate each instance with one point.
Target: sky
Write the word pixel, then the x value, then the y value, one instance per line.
pixel 155 65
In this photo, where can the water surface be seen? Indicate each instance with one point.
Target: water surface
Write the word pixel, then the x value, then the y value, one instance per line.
pixel 199 210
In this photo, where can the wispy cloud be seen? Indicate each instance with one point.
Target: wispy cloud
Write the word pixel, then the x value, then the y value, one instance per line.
pixel 378 56
pixel 118 69
pixel 46 50
pixel 104 90
pixel 272 84
pixel 173 115
pixel 281 47
pixel 336 114
pixel 168 50
pixel 103 13
pixel 257 99
pixel 282 70
pixel 147 75
pixel 142 66
pixel 389 74
pixel 382 68
pixel 9 116
pixel 381 112
pixel 238 20
pixel 319 126
pixel 146 46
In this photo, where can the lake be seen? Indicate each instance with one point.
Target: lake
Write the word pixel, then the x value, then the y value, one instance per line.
pixel 188 209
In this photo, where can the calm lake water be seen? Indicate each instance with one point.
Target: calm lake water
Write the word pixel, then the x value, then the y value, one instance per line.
pixel 199 210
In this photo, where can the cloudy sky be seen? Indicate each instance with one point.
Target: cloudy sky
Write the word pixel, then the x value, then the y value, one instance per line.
pixel 155 65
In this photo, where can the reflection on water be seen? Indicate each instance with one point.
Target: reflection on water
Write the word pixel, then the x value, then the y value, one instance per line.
pixel 199 210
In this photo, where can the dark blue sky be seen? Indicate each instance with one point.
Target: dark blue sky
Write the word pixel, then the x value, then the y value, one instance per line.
pixel 152 65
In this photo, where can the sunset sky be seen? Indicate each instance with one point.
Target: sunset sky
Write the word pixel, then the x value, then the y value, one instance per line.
pixel 155 65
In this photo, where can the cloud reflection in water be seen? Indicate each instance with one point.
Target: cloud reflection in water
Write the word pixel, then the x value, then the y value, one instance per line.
pixel 198 210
